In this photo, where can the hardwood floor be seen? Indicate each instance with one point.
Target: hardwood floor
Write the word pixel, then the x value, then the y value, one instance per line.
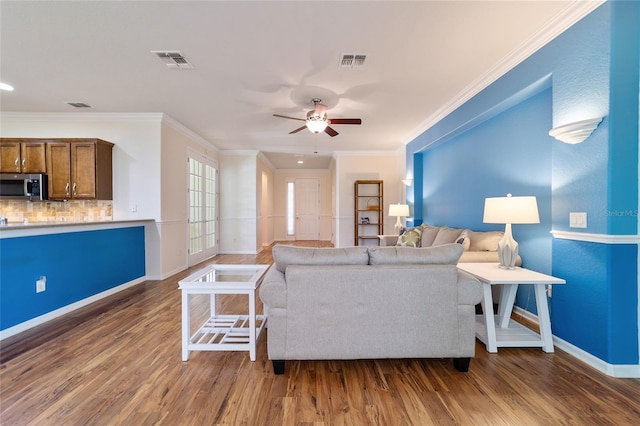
pixel 121 365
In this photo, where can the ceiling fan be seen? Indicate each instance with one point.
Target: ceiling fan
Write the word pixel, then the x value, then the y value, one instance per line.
pixel 317 120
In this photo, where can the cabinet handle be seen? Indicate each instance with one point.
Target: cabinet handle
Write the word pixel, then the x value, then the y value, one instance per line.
pixel 74 189
pixel 24 160
pixel 66 189
pixel 17 164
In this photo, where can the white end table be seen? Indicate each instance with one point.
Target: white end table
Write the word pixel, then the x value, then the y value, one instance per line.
pixel 500 330
pixel 223 332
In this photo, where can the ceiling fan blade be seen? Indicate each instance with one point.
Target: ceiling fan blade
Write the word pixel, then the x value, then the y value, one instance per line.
pixel 290 118
pixel 297 130
pixel 346 121
pixel 328 130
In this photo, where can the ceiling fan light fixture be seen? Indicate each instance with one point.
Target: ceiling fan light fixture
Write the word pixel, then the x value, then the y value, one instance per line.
pixel 317 124
pixel 317 119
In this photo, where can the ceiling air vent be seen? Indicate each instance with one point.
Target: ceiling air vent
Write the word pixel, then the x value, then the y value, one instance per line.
pixel 352 61
pixel 173 59
pixel 78 104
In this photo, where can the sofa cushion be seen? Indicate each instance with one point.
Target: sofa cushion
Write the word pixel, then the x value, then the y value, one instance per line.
pixel 284 255
pixel 447 254
pixel 464 240
pixel 429 233
pixel 485 241
pixel 410 238
pixel 447 235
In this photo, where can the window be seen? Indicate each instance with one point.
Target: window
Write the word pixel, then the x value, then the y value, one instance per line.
pixel 291 220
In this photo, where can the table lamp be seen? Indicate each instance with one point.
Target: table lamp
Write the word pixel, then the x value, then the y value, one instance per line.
pixel 398 210
pixel 510 210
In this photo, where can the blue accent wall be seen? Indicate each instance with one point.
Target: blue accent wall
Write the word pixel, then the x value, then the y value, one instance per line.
pixel 510 153
pixel 77 265
pixel 497 143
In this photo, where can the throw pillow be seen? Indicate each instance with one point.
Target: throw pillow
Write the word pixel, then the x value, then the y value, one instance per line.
pixel 429 234
pixel 410 238
pixel 464 240
pixel 485 241
pixel 447 236
pixel 447 254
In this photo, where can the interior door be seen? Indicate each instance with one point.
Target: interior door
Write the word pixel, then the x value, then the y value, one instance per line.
pixel 307 201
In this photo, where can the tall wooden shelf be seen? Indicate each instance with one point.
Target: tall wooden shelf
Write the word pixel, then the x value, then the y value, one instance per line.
pixel 368 212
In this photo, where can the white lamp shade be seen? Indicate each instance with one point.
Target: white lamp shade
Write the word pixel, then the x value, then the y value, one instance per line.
pixel 511 210
pixel 401 210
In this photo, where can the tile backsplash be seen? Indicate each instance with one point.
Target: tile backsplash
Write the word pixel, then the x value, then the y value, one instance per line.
pixel 57 211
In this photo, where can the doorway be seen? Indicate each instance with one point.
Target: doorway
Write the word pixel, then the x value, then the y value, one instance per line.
pixel 307 208
pixel 202 208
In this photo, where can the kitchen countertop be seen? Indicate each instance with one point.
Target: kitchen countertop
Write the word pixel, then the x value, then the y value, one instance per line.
pixel 20 229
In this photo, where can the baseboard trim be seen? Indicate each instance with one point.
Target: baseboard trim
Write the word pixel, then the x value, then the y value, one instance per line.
pixel 24 326
pixel 622 371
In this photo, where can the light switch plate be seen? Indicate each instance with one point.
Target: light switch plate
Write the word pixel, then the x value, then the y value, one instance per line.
pixel 578 219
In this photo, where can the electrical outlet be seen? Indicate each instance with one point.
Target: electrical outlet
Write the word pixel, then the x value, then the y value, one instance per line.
pixel 41 284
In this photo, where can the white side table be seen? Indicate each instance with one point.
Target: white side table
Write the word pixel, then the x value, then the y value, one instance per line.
pixel 223 332
pixel 500 330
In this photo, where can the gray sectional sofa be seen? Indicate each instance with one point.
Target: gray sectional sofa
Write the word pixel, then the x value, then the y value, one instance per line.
pixel 479 246
pixel 369 303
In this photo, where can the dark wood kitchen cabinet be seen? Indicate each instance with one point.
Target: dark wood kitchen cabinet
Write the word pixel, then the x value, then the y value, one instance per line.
pixel 19 155
pixel 80 169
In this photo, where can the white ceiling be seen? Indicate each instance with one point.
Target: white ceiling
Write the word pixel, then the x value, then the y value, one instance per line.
pixel 255 58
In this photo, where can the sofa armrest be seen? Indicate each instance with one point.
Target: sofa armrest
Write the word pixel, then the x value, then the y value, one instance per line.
pixel 388 240
pixel 469 289
pixel 273 291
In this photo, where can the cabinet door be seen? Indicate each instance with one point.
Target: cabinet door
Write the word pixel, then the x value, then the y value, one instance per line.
pixel 10 157
pixel 83 170
pixel 59 170
pixel 33 157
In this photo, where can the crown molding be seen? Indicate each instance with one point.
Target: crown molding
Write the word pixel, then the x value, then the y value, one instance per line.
pixel 571 14
pixel 239 152
pixel 394 153
pixel 179 127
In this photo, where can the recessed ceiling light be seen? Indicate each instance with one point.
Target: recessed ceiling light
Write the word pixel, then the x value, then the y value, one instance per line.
pixel 300 162
pixel 7 87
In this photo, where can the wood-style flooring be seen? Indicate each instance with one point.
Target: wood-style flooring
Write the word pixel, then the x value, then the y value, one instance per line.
pixel 119 363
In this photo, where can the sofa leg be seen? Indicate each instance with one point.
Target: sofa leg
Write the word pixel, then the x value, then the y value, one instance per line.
pixel 278 366
pixel 462 364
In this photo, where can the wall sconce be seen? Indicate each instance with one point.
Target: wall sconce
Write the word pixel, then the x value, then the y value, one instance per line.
pixel 577 132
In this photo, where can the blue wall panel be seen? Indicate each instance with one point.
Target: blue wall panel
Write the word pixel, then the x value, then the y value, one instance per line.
pixel 77 265
pixel 597 309
pixel 510 153
pixel 593 70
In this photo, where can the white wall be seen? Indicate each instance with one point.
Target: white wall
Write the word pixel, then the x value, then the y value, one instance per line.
pixel 173 226
pixel 385 166
pixel 265 182
pixel 239 202
pixel 280 201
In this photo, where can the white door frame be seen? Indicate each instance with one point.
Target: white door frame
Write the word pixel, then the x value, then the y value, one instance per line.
pixel 209 214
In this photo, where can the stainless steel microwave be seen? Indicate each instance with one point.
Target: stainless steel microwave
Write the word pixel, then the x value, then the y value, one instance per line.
pixel 17 186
